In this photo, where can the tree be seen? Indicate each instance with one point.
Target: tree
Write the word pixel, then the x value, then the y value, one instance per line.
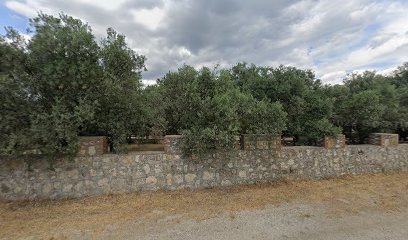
pixel 365 111
pixel 210 110
pixel 14 96
pixel 371 103
pixel 402 124
pixel 154 121
pixel 299 93
pixel 400 79
pixel 120 111
pixel 179 101
pixel 401 75
pixel 64 82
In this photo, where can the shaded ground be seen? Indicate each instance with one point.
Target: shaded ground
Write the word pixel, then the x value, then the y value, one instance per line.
pixel 145 147
pixel 361 207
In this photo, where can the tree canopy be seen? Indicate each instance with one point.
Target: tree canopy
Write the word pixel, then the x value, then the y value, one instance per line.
pixel 63 83
pixel 370 102
pixel 210 110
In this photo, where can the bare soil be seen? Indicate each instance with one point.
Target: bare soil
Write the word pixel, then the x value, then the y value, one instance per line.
pixel 359 205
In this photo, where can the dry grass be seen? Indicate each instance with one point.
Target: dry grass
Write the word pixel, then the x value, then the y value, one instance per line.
pixel 349 194
pixel 145 147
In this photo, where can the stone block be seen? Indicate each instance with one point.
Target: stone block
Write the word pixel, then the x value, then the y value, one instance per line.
pixel 178 179
pixel 242 174
pixel 103 182
pixel 151 180
pixel 190 178
pixel 93 146
pixel 67 188
pixel 383 139
pixel 207 176
pixel 169 179
pixel 47 188
pixel 337 141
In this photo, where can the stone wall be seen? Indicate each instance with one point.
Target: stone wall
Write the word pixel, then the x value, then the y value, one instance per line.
pixel 338 141
pixel 146 171
pixel 383 139
pixel 251 142
pixel 172 144
pixel 92 146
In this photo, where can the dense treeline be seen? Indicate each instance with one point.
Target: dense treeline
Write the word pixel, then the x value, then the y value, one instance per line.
pixel 62 84
pixel 370 102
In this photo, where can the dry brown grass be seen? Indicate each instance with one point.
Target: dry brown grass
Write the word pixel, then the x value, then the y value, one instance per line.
pixel 136 147
pixel 348 194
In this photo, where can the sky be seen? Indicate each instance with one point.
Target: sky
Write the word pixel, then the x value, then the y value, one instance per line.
pixel 331 37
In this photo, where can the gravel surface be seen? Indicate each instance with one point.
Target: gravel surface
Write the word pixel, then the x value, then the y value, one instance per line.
pixel 285 222
pixel 361 207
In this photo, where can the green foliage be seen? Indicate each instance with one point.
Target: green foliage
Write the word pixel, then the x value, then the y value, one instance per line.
pixel 154 122
pixel 63 60
pixel 260 117
pixel 369 102
pixel 15 104
pixel 204 111
pixel 64 81
pixel 400 78
pixel 210 110
pixel 120 111
pixel 299 93
pixel 56 132
pixel 179 101
pixel 62 84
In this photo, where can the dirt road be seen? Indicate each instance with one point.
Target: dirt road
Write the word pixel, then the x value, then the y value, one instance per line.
pixel 362 207
pixel 285 222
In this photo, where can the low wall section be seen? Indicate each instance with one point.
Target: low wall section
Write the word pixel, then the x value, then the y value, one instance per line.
pixel 168 170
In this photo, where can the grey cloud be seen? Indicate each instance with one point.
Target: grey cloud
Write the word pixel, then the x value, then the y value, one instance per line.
pixel 210 24
pixel 100 19
pixel 140 4
pixel 229 31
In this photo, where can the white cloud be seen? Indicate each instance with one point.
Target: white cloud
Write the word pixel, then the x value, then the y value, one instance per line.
pixel 150 18
pixel 25 9
pixel 333 77
pixel 184 52
pixel 106 4
pixel 387 71
pixel 331 37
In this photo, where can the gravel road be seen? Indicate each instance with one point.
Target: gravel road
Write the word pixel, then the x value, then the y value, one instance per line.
pixel 360 207
pixel 294 221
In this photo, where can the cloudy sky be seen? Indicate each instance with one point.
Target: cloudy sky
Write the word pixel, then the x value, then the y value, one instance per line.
pixel 331 37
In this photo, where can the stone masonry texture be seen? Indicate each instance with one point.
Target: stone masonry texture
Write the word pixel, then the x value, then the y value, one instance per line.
pixel 338 141
pixel 383 139
pixel 150 171
pixel 91 146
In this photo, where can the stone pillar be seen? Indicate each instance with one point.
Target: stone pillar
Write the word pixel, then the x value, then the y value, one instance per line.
pixel 172 144
pixel 337 141
pixel 93 146
pixel 383 139
pixel 260 142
